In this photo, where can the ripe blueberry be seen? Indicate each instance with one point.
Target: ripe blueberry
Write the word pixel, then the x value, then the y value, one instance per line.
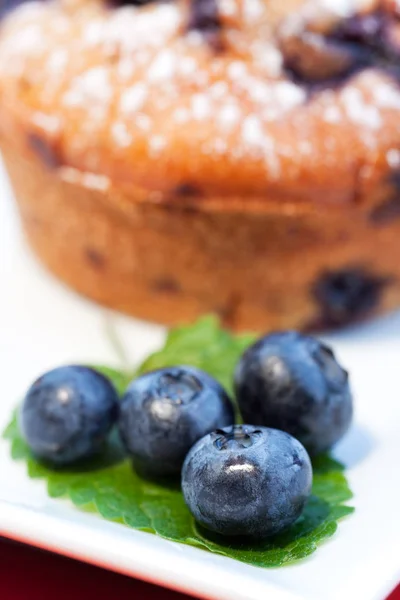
pixel 67 414
pixel 246 480
pixel 292 382
pixel 164 412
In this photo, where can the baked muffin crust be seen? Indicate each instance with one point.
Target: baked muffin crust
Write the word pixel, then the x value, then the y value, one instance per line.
pixel 169 163
pixel 134 97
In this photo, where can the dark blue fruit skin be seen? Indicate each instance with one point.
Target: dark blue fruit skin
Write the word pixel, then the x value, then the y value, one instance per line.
pixel 164 412
pixel 292 382
pixel 247 481
pixel 8 5
pixel 67 414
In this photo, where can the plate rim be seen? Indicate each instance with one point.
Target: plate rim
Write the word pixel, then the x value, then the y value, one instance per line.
pixel 36 528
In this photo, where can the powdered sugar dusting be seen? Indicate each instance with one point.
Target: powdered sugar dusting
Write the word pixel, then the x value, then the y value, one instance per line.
pixel 359 110
pixel 219 89
pixel 121 135
pixel 143 122
pixel 332 114
pixel 345 8
pixel 386 95
pixel 236 70
pixel 393 158
pixel 92 86
pixel 201 107
pixel 94 181
pixel 50 124
pixel 229 115
pixel 156 144
pixel 228 8
pixel 89 180
pixel 58 60
pixel 133 98
pixel 133 81
pixel 163 66
pixel 252 131
pixel 181 115
pixel 253 10
pixel 288 94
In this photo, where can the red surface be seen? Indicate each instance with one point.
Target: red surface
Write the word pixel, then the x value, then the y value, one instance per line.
pixel 30 574
pixel 394 596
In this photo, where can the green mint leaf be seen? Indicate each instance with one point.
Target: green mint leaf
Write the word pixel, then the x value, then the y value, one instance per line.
pixel 120 379
pixel 109 485
pixel 204 345
pixel 11 432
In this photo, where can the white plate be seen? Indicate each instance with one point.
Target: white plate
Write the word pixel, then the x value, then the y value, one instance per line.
pixel 42 324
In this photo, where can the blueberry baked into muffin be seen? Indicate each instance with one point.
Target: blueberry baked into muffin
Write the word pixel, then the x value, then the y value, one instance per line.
pixel 232 156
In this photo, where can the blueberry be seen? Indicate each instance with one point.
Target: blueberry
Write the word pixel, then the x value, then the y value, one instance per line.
pixel 247 481
pixel 7 6
pixel 163 413
pixel 204 15
pixel 292 382
pixel 67 414
pixel 328 51
pixel 347 294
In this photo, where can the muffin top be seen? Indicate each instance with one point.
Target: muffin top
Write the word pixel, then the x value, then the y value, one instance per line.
pixel 251 102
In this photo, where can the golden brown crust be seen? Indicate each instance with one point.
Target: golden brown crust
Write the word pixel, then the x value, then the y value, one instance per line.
pixel 171 264
pixel 166 179
pixel 128 94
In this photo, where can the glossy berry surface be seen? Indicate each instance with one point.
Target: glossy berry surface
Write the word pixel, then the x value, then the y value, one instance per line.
pixel 293 382
pixel 164 412
pixel 67 414
pixel 247 481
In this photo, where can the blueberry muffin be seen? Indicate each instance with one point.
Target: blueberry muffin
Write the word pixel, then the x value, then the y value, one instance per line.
pixel 241 157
